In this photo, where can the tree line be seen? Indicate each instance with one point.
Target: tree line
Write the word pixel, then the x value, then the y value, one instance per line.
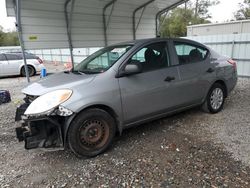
pixel 8 38
pixel 173 24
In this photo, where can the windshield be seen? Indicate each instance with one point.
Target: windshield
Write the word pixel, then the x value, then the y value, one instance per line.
pixel 101 60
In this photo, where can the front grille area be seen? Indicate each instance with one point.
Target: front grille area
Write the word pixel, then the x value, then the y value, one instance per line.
pixel 30 98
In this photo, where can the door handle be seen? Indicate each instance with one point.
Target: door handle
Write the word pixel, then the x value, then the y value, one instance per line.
pixel 169 78
pixel 210 70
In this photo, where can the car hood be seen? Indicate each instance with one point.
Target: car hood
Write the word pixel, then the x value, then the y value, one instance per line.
pixel 63 80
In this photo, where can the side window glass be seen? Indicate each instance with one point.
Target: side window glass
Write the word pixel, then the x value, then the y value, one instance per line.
pixel 2 57
pixel 188 53
pixel 13 57
pixel 28 56
pixel 151 57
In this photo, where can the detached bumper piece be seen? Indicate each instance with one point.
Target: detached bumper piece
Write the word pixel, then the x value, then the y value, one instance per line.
pixel 4 96
pixel 42 132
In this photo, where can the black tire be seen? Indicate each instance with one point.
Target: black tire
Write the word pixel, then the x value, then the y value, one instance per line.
pixel 209 105
pixel 31 71
pixel 91 132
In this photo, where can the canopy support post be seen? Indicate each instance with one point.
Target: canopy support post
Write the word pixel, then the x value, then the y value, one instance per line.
pixel 20 36
pixel 105 25
pixel 143 6
pixel 157 17
pixel 68 27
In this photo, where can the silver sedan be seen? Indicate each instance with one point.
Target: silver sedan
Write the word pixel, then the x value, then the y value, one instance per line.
pixel 120 86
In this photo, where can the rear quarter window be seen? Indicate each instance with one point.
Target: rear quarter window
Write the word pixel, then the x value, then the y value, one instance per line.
pixel 31 56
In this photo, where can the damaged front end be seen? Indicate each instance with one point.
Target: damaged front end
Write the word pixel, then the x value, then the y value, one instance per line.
pixel 41 130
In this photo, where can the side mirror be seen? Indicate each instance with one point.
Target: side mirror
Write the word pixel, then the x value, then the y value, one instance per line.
pixel 134 67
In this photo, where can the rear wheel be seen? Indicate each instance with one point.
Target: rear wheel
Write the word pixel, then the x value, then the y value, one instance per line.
pixel 215 99
pixel 31 71
pixel 91 133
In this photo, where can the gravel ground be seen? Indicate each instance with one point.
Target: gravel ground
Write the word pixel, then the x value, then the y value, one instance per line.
pixel 191 149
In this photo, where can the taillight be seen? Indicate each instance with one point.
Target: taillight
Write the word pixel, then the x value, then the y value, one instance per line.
pixel 40 61
pixel 232 62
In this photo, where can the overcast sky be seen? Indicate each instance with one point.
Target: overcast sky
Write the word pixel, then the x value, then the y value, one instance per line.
pixel 220 13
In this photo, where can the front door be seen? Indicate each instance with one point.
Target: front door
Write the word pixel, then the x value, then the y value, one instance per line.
pixel 153 91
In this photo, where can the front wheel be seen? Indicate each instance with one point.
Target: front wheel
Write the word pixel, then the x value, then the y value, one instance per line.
pixel 91 132
pixel 215 99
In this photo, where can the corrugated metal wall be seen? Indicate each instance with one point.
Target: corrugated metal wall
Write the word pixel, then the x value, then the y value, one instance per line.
pixel 236 46
pixel 55 55
pixel 44 27
pixel 236 27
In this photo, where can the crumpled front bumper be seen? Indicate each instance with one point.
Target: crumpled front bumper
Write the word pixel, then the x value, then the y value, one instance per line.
pixel 39 132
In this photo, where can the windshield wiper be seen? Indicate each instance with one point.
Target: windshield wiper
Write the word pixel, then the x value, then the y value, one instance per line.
pixel 87 71
pixel 77 72
pixel 84 71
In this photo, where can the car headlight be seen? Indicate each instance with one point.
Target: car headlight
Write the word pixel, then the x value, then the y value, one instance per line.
pixel 48 102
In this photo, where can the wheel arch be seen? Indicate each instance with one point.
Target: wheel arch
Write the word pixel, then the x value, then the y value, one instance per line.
pixel 29 65
pixel 106 108
pixel 220 81
pixel 223 83
pixel 206 107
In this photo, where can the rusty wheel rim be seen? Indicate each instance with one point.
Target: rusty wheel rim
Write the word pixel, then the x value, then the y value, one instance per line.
pixel 93 134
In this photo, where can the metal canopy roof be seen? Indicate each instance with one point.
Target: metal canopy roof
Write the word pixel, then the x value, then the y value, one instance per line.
pixel 44 26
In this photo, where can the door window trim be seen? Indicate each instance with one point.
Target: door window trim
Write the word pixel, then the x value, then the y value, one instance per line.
pixel 190 44
pixel 167 51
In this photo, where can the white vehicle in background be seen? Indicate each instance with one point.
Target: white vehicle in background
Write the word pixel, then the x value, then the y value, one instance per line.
pixel 13 64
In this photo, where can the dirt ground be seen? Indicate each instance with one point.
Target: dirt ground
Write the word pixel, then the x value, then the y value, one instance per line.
pixel 190 149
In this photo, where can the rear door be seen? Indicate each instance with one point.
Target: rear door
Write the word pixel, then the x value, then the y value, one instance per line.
pixel 195 70
pixel 149 94
pixel 14 63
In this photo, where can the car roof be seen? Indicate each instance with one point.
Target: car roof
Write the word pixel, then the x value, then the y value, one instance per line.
pixel 27 55
pixel 158 39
